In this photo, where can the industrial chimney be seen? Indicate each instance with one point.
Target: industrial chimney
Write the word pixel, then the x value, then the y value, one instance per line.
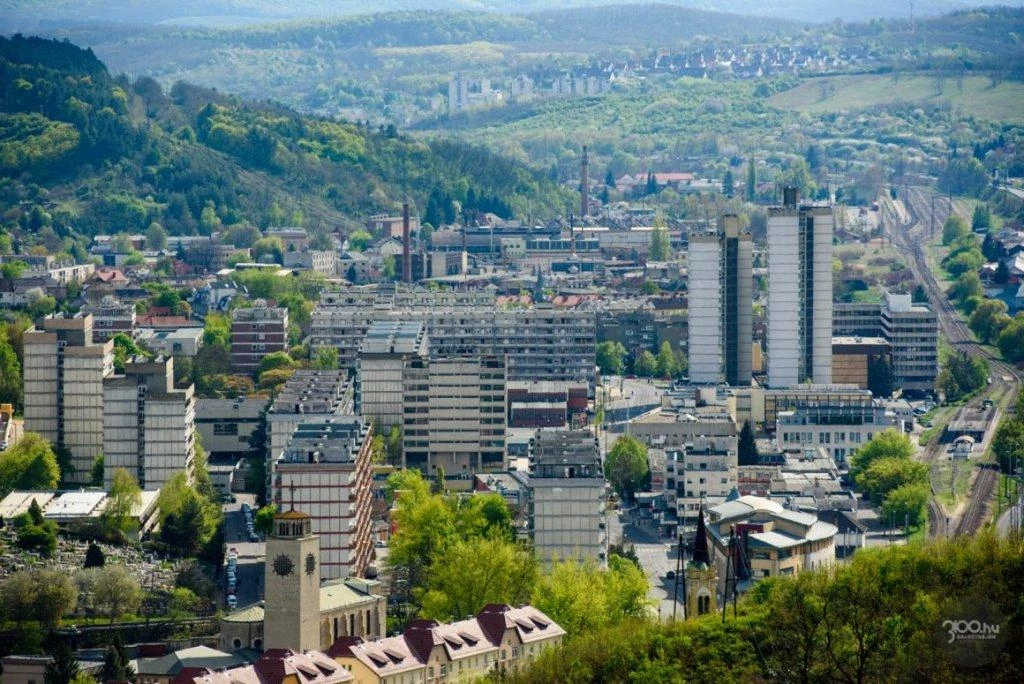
pixel 406 254
pixel 584 185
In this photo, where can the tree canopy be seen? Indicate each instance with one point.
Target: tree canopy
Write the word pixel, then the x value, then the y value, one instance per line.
pixel 626 466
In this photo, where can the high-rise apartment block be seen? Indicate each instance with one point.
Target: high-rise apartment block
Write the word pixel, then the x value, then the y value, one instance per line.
pixel 63 382
pixel 308 396
pixel 703 472
pixel 910 328
pixel 454 414
pixel 799 293
pixel 567 497
pixel 721 305
pixel 325 472
pixel 256 332
pixel 542 343
pixel 387 347
pixel 148 425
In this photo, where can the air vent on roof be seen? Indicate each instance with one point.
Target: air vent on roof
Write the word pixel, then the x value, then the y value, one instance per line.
pixel 469 638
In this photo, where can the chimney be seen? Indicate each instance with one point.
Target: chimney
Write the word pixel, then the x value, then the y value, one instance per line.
pixel 790 197
pixel 584 185
pixel 406 255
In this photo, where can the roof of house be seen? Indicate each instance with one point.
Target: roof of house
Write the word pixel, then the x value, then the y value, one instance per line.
pixel 276 665
pixel 197 656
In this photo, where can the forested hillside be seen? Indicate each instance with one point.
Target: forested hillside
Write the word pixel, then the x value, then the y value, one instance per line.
pixel 82 152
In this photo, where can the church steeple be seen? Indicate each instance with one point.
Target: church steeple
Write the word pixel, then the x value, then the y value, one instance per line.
pixel 700 542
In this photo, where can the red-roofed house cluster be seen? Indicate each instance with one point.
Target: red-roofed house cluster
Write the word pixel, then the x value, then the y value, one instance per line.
pixel 275 666
pixel 499 637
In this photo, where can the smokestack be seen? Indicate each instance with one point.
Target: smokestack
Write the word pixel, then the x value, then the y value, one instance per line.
pixel 406 254
pixel 584 185
pixel 790 197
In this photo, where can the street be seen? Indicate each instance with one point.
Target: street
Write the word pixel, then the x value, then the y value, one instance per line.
pixel 657 557
pixel 250 554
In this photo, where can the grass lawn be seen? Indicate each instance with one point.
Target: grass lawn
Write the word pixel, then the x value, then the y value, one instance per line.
pixel 975 96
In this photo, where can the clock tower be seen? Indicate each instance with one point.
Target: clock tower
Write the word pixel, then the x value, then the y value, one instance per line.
pixel 292 595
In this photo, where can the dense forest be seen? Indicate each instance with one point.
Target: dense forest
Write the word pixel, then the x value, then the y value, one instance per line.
pixel 84 153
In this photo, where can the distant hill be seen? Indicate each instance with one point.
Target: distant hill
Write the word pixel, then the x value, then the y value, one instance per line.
pixel 101 154
pixel 35 14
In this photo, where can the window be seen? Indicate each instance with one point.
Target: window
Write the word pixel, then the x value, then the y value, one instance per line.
pixel 515 652
pixel 444 670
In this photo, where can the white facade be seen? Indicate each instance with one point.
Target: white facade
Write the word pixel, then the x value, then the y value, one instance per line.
pixel 705 470
pixel 704 297
pixel 380 366
pixel 799 295
pixel 840 430
pixel 325 472
pixel 148 425
pixel 63 388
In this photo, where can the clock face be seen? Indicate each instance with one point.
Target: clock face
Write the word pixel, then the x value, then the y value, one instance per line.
pixel 283 565
pixel 310 564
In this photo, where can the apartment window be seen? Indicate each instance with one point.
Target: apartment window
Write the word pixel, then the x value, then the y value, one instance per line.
pixel 515 652
pixel 444 670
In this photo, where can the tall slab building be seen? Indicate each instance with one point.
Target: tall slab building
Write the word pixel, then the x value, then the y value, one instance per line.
pixel 799 292
pixel 721 304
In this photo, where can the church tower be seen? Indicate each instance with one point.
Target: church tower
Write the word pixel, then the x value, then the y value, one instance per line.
pixel 292 581
pixel 701 575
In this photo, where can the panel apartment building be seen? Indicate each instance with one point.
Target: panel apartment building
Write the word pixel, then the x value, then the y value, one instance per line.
pixel 910 328
pixel 454 414
pixel 720 294
pixel 567 497
pixel 542 343
pixel 799 293
pixel 325 472
pixel 308 396
pixel 385 350
pixel 64 372
pixel 256 332
pixel 148 425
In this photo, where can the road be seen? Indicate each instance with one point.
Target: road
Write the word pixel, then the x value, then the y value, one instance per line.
pixel 657 557
pixel 250 554
pixel 910 225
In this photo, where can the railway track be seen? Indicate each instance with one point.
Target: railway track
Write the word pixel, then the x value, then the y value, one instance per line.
pixel 911 234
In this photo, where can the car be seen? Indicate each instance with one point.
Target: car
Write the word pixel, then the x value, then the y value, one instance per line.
pixel 232 601
pixel 670 575
pixel 380 544
pixel 254 537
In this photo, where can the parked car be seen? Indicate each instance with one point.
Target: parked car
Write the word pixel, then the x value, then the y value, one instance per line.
pixel 232 601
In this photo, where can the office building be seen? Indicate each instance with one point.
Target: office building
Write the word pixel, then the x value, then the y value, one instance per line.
pixel 63 375
pixel 387 347
pixel 720 291
pixel 148 425
pixel 454 414
pixel 799 293
pixel 567 497
pixel 771 541
pixel 702 472
pixel 256 332
pixel 226 426
pixel 911 329
pixel 324 472
pixel 111 317
pixel 854 359
pixel 839 422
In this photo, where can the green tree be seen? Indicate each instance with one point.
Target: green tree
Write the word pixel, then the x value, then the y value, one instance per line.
pixel 981 219
pixel 1008 444
pixel 661 246
pixel 94 557
pixel 124 497
pixel 55 597
pixel 116 663
pixel 886 444
pixel 18 597
pixel 646 365
pixel 887 474
pixel 728 183
pixel 988 319
pixel 907 502
pixel 966 286
pixel 387 268
pixel 156 237
pixel 747 446
pixel 1011 339
pixel 217 330
pixel 881 377
pixel 263 521
pixel 649 287
pixel 964 176
pixel 116 592
pixel 474 572
pixel 268 249
pixel 667 364
pixel 63 667
pixel 275 361
pixel 183 603
pixel 751 180
pixel 326 358
pixel 582 597
pixel 96 472
pixel 28 464
pixel 359 240
pixel 611 358
pixel 10 372
pixel 626 466
pixel 953 229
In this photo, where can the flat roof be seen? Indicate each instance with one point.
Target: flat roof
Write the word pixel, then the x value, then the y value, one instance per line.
pixel 16 503
pixel 74 504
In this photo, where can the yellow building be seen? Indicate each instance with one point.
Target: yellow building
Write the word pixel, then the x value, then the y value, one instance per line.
pixel 498 638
